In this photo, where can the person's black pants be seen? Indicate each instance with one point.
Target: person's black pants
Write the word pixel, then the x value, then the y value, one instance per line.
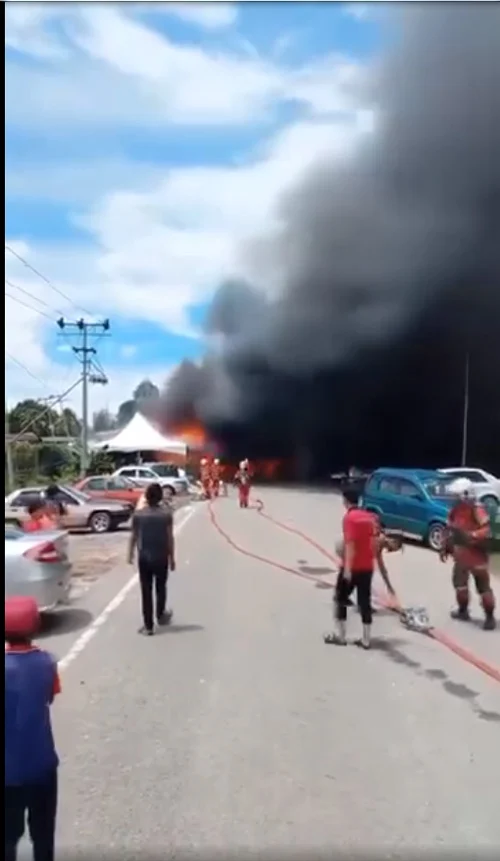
pixel 38 803
pixel 153 575
pixel 361 581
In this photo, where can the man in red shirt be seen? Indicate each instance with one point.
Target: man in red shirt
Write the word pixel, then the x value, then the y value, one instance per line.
pixel 360 552
pixel 467 543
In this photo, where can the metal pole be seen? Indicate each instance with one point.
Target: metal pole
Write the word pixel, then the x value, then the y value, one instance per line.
pixel 465 422
pixel 84 328
pixel 85 402
pixel 8 452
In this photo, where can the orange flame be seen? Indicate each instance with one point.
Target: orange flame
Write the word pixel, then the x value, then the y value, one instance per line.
pixel 192 433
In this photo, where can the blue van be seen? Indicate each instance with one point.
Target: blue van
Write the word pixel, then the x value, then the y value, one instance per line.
pixel 412 501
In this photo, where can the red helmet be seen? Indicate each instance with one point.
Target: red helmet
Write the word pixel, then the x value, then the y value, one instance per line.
pixel 22 618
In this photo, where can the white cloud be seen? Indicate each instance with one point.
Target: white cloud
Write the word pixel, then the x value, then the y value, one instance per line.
pixel 152 254
pixel 361 11
pixel 159 82
pixel 155 241
pixel 76 182
pixel 127 351
pixel 212 16
pixel 27 30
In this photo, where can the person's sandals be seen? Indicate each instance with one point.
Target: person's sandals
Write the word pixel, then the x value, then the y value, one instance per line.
pixel 146 632
pixel 333 639
pixel 165 618
pixel 362 645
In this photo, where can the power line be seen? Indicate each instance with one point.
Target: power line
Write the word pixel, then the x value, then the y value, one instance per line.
pixel 87 353
pixel 25 369
pixel 30 307
pixel 47 280
pixel 57 400
pixel 32 296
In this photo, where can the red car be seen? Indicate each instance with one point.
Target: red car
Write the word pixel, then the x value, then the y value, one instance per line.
pixel 110 487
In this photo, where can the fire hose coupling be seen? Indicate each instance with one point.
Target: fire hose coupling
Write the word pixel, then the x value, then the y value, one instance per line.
pixel 416 619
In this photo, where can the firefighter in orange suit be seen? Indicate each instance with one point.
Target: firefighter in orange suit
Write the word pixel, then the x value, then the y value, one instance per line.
pixel 206 477
pixel 215 474
pixel 467 543
pixel 242 480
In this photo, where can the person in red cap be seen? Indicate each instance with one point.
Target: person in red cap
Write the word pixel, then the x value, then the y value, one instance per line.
pixel 31 761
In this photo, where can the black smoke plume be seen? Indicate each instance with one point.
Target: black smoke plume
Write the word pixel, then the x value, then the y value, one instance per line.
pixel 389 274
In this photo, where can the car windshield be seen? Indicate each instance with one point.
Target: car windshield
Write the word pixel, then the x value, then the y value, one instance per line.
pixel 77 494
pixel 121 482
pixel 162 469
pixel 439 487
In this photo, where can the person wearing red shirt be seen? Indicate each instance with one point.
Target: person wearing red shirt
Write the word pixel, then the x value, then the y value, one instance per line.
pixel 31 761
pixel 360 534
pixel 39 521
pixel 467 543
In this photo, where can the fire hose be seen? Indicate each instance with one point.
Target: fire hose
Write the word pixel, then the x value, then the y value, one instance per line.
pixel 415 619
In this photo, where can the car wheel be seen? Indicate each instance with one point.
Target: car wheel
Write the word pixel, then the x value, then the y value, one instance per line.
pixel 436 536
pixel 100 522
pixel 489 500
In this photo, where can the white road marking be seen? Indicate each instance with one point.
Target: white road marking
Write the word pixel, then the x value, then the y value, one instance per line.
pixel 90 632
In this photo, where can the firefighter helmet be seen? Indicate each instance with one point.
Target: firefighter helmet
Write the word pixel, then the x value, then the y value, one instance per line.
pixel 203 461
pixel 463 488
pixel 216 461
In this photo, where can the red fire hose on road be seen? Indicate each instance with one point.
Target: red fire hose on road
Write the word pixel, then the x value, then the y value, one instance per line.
pixel 449 643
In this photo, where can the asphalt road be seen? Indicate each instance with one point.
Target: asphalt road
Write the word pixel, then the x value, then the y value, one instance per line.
pixel 237 728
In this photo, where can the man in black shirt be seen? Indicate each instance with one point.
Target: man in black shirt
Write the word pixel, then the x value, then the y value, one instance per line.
pixel 153 535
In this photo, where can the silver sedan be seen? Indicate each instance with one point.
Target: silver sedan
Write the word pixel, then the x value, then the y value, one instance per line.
pixel 37 565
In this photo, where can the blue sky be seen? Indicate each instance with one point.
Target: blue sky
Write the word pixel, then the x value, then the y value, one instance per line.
pixel 147 144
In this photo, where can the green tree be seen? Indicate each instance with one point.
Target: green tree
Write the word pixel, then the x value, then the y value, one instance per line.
pixel 33 416
pixel 68 424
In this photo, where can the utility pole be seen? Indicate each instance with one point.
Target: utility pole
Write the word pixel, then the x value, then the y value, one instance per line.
pixel 465 419
pixel 86 330
pixel 8 451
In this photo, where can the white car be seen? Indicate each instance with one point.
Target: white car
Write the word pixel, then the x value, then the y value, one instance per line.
pixel 144 475
pixel 486 486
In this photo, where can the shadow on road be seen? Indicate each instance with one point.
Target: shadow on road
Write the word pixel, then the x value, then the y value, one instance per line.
pixel 392 649
pixel 180 629
pixel 316 571
pixel 65 621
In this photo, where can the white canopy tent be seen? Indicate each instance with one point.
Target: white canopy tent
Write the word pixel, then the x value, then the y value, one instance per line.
pixel 140 435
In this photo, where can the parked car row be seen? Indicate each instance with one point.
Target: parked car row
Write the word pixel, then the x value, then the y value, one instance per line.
pixel 168 475
pixel 37 563
pixel 81 510
pixel 416 502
